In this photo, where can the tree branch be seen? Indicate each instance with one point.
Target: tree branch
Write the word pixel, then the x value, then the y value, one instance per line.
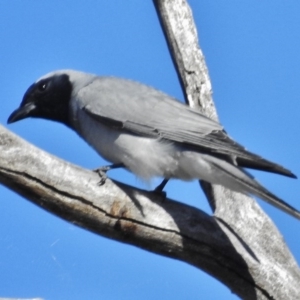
pixel 115 210
pixel 133 216
pixel 239 246
pixel 240 213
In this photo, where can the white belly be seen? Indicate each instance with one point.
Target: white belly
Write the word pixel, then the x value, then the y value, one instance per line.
pixel 146 157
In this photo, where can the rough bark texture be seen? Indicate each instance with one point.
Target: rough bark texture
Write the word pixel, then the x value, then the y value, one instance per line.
pixel 240 213
pixel 240 245
pixel 144 219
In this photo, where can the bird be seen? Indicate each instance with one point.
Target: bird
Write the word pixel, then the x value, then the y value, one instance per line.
pixel 148 132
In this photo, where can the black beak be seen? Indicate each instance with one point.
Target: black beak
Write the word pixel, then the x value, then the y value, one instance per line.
pixel 21 113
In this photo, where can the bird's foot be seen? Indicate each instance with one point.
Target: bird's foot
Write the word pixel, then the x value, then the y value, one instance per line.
pixel 161 186
pixel 159 190
pixel 102 172
pixel 160 194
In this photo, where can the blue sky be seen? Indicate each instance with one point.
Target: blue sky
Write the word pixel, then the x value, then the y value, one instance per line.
pixel 252 52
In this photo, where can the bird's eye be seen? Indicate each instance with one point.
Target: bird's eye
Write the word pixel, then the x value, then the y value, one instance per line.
pixel 42 86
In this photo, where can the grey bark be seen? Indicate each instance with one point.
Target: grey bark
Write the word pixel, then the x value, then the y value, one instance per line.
pixel 239 213
pixel 239 245
pixel 149 221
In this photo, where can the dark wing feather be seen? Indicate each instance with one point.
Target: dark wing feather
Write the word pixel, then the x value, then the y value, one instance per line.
pixel 134 107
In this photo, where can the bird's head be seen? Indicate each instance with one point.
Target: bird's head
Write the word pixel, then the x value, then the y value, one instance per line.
pixel 49 97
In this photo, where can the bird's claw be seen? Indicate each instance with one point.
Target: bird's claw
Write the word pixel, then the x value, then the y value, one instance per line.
pixel 159 190
pixel 102 171
pixel 160 194
pixel 102 174
pixel 161 186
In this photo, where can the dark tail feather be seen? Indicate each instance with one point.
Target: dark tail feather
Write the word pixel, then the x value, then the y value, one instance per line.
pixel 239 180
pixel 262 164
pixel 279 203
pixel 220 144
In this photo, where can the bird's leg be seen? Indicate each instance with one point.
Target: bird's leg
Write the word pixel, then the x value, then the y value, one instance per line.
pixel 102 171
pixel 159 189
pixel 161 186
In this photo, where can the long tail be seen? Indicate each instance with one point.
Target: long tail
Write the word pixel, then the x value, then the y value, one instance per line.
pixel 259 163
pixel 237 179
pixel 220 143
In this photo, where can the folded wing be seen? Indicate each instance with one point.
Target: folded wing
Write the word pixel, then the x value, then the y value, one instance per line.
pixel 133 107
